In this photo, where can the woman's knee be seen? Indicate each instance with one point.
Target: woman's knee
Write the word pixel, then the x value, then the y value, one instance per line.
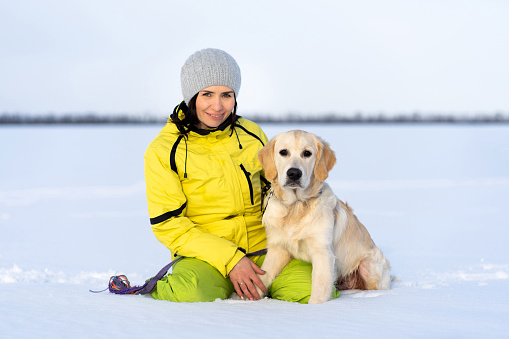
pixel 193 280
pixel 294 283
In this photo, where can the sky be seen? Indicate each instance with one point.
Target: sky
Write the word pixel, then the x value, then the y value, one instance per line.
pixel 296 57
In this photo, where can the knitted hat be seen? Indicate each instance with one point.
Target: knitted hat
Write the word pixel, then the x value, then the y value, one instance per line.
pixel 209 67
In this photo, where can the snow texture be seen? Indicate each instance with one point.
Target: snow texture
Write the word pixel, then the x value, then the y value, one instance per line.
pixel 434 198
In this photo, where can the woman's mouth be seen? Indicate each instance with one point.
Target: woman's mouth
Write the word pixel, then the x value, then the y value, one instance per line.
pixel 215 116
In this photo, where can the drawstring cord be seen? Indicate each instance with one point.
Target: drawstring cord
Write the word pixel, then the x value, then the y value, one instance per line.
pixel 185 162
pixel 238 140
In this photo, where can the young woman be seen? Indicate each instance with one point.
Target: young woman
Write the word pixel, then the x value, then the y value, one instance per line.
pixel 204 192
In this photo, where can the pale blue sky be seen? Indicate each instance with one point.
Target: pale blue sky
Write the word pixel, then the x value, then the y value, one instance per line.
pixel 309 57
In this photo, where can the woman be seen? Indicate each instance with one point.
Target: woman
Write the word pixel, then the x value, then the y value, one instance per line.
pixel 204 192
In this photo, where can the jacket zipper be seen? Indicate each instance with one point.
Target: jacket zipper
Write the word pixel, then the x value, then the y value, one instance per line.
pixel 248 177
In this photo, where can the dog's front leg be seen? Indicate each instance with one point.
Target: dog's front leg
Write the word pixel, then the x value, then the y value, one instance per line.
pixel 322 277
pixel 276 258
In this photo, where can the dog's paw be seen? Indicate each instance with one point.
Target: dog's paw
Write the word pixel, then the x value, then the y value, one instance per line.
pixel 317 300
pixel 260 293
pixel 234 296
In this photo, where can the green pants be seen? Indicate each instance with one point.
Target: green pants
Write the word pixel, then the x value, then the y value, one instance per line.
pixel 195 280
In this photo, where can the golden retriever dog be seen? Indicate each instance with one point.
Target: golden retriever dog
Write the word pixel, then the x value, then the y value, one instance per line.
pixel 304 220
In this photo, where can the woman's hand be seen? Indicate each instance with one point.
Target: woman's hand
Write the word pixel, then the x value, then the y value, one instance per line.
pixel 244 278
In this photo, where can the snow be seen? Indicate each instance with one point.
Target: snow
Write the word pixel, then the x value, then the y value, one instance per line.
pixel 434 198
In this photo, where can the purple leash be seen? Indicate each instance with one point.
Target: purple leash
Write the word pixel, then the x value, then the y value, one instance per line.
pixel 149 286
pixel 255 253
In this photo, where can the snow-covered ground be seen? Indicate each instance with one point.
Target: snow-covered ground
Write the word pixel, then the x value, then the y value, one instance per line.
pixel 435 199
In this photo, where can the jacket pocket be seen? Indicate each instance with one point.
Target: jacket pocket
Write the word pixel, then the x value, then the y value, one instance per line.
pixel 250 184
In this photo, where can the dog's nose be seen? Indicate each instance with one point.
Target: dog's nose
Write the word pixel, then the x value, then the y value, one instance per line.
pixel 294 174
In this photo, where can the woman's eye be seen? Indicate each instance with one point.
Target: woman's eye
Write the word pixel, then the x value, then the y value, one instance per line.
pixel 283 152
pixel 307 154
pixel 227 95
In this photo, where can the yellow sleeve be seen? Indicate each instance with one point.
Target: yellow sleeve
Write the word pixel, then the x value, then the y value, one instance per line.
pixel 167 209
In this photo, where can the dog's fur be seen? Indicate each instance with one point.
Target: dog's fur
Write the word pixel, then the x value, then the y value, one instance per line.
pixel 305 220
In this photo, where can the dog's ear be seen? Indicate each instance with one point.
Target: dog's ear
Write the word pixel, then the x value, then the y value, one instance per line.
pixel 266 158
pixel 325 160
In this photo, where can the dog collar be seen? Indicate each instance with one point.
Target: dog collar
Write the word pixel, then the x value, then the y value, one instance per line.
pixel 271 193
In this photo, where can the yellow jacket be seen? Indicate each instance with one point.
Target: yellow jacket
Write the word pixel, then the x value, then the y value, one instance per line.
pixel 204 192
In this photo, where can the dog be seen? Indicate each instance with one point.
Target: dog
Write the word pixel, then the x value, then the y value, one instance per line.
pixel 304 220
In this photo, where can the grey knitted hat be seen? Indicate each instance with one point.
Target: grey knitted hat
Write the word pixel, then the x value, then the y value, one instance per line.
pixel 209 67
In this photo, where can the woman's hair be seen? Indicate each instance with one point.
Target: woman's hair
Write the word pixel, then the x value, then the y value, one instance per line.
pixel 191 120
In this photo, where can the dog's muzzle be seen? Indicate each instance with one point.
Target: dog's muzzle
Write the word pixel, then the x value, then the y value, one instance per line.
pixel 293 175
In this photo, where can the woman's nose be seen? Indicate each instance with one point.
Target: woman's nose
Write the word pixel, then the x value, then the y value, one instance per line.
pixel 217 105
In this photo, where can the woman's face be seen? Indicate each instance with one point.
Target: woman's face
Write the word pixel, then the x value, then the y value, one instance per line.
pixel 214 105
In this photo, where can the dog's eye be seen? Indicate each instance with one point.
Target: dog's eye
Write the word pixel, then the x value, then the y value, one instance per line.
pixel 283 152
pixel 306 154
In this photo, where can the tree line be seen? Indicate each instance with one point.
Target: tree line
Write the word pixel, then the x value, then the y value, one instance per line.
pixel 358 118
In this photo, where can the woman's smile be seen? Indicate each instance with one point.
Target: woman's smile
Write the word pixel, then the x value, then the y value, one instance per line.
pixel 216 116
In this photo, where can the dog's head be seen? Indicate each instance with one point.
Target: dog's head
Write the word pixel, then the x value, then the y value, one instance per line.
pixel 293 159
